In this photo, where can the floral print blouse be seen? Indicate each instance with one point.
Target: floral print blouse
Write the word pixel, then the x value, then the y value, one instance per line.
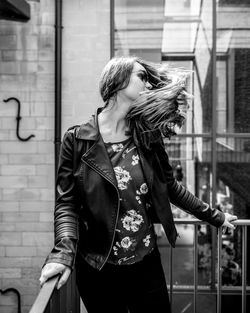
pixel 134 235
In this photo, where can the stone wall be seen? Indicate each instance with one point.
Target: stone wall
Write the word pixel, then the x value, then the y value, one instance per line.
pixel 27 168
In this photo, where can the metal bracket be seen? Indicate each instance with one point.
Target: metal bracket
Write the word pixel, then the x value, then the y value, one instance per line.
pixel 18 296
pixel 18 118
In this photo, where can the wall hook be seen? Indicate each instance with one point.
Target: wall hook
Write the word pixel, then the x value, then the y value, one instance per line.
pixel 18 118
pixel 18 296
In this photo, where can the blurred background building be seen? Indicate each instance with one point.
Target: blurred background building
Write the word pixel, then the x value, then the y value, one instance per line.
pixel 55 80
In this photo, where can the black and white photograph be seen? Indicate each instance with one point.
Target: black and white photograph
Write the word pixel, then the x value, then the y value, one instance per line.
pixel 124 156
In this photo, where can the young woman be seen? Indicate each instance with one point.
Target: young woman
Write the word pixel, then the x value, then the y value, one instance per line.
pixel 114 181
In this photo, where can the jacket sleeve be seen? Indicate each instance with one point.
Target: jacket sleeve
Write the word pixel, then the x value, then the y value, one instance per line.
pixel 185 200
pixel 66 214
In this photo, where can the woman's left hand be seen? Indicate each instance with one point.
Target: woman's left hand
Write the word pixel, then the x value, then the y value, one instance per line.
pixel 228 219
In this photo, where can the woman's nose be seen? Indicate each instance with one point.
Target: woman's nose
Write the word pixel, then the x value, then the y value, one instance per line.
pixel 148 85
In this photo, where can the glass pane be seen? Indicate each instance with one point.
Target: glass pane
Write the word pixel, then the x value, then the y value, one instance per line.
pixel 182 303
pixel 185 303
pixel 233 185
pixel 233 63
pixel 233 175
pixel 172 30
pixel 191 109
pixel 181 20
pixel 231 303
pixel 139 28
pixel 206 303
pixel 203 70
pixel 191 161
pixel 183 257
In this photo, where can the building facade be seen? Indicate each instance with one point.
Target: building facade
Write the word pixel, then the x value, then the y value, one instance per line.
pixel 27 73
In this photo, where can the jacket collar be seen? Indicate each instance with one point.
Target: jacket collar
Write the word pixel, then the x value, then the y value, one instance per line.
pixel 90 130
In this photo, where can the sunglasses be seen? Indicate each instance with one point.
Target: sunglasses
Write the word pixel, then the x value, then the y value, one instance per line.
pixel 142 75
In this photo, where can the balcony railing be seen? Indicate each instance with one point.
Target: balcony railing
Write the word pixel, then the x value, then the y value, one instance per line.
pixel 50 300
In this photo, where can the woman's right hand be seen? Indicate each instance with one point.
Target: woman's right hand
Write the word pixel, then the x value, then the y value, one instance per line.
pixel 52 269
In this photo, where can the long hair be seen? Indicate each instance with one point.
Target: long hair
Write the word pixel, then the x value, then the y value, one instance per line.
pixel 157 109
pixel 162 108
pixel 116 75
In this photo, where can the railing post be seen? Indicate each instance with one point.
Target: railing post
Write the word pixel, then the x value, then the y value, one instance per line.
pixel 219 242
pixel 171 277
pixel 195 266
pixel 244 268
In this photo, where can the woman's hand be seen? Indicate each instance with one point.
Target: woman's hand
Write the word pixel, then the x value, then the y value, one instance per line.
pixel 228 219
pixel 51 269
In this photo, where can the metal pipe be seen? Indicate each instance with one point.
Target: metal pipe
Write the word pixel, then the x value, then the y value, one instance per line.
pixel 58 80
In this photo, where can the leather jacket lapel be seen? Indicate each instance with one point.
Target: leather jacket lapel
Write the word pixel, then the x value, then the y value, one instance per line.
pixel 97 158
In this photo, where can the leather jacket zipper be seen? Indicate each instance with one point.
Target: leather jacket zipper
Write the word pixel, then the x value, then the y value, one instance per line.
pixel 117 214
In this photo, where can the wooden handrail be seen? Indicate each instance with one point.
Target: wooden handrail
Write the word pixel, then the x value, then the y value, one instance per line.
pixel 44 295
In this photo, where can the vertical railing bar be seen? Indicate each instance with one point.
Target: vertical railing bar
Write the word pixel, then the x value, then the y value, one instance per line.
pixel 112 28
pixel 69 296
pixel 75 295
pixel 244 268
pixel 214 128
pixel 56 302
pixel 219 241
pixel 195 266
pixel 171 276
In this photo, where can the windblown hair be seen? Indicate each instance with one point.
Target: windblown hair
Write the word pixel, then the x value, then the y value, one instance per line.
pixel 162 108
pixel 115 76
pixel 157 109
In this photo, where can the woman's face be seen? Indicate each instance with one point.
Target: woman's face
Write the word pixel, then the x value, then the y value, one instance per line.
pixel 138 83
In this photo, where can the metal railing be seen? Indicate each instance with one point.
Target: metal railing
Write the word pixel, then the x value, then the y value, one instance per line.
pixel 50 300
pixel 218 290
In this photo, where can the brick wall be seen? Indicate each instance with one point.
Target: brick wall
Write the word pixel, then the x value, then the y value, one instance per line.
pixel 86 49
pixel 27 168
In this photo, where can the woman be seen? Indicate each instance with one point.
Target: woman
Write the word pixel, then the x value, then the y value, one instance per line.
pixel 114 181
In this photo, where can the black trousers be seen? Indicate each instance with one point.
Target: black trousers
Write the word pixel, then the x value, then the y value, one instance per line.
pixel 135 288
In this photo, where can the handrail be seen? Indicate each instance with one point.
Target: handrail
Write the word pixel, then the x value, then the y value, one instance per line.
pixel 239 222
pixel 51 300
pixel 18 296
pixel 244 288
pixel 44 295
pixel 46 291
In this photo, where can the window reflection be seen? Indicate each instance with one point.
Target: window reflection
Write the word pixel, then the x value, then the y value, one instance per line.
pixel 180 33
pixel 233 62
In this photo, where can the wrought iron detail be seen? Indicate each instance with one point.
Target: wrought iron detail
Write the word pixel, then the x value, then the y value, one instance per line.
pixel 18 296
pixel 18 118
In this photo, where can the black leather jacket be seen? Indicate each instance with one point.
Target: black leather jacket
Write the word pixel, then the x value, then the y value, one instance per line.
pixel 87 205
